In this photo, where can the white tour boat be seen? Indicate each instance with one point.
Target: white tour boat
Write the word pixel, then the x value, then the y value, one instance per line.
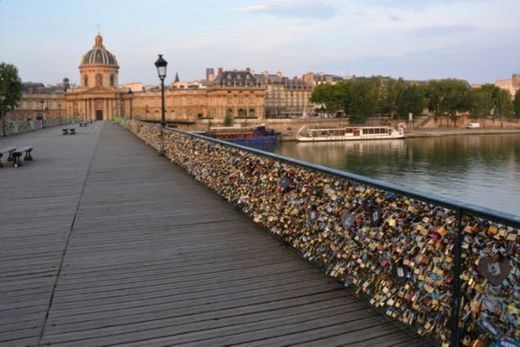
pixel 350 133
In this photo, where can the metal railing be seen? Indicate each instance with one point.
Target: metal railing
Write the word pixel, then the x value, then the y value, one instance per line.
pixel 460 230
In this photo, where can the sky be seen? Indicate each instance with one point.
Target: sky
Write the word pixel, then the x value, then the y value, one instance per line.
pixel 475 40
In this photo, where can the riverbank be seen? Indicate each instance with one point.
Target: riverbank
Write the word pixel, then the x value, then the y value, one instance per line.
pixel 289 127
pixel 434 132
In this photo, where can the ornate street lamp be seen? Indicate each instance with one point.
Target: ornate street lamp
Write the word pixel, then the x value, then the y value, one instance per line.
pixel 130 96
pixel 161 64
pixel 2 98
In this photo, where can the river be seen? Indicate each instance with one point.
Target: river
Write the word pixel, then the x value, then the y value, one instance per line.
pixel 480 169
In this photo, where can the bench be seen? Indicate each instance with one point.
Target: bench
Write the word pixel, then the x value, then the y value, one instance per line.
pixel 83 124
pixel 8 150
pixel 65 131
pixel 72 131
pixel 17 155
pixel 27 150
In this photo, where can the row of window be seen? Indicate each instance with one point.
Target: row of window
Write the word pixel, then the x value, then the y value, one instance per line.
pixel 99 80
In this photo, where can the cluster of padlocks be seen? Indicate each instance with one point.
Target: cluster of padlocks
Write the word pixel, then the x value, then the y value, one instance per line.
pixel 392 249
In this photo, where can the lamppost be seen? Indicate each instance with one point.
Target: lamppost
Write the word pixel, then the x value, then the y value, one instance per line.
pixel 40 115
pixel 161 64
pixel 130 96
pixel 2 98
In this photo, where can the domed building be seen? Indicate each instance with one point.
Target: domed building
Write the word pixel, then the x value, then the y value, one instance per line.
pixel 98 97
pixel 98 67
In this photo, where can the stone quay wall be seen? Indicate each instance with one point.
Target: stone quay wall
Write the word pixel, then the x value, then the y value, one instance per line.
pixel 400 250
pixel 14 126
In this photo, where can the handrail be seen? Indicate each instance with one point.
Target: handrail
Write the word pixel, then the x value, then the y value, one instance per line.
pixel 453 204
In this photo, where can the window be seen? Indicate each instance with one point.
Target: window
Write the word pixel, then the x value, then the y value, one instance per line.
pixel 111 80
pixel 85 80
pixel 99 80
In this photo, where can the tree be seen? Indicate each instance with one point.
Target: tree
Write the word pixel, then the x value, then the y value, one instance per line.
pixel 10 85
pixel 365 93
pixel 11 88
pixel 516 104
pixel 503 104
pixel 482 100
pixel 391 96
pixel 228 119
pixel 449 97
pixel 411 100
pixel 329 96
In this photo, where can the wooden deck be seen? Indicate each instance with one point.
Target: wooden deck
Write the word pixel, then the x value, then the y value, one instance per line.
pixel 103 242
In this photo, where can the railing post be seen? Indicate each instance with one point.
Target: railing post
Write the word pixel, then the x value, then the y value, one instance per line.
pixel 456 286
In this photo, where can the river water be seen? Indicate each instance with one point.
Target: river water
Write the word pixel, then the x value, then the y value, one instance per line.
pixel 480 169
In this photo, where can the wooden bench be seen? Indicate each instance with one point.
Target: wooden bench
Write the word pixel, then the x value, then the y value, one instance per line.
pixel 83 124
pixel 8 150
pixel 17 155
pixel 72 131
pixel 65 131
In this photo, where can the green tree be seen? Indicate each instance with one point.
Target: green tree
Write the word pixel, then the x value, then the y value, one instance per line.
pixel 503 104
pixel 391 95
pixel 411 100
pixel 329 96
pixel 10 85
pixel 448 96
pixel 365 94
pixel 516 104
pixel 482 100
pixel 228 119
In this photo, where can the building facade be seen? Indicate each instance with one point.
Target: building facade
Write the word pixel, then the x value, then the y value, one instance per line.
pixel 100 97
pixel 285 97
pixel 511 85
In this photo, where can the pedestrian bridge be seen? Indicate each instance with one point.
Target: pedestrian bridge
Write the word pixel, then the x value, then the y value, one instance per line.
pixel 103 242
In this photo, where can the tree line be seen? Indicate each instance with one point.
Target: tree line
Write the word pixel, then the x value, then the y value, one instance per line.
pixel 396 98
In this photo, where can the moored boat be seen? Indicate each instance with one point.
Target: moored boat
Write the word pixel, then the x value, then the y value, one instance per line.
pixel 244 135
pixel 350 133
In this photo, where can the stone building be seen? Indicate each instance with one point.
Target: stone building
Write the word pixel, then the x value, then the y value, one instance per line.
pixel 313 79
pixel 512 85
pixel 285 97
pixel 99 96
pixel 237 93
pixel 40 105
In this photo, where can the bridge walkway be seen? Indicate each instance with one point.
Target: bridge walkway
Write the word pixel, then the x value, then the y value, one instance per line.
pixel 103 242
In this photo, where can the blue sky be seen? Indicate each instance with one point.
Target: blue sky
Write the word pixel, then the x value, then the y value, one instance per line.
pixel 475 40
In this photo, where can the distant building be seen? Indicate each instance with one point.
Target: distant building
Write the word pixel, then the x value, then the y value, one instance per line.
pixel 511 85
pixel 314 79
pixel 210 75
pixel 285 97
pixel 39 102
pixel 100 97
pixel 237 93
